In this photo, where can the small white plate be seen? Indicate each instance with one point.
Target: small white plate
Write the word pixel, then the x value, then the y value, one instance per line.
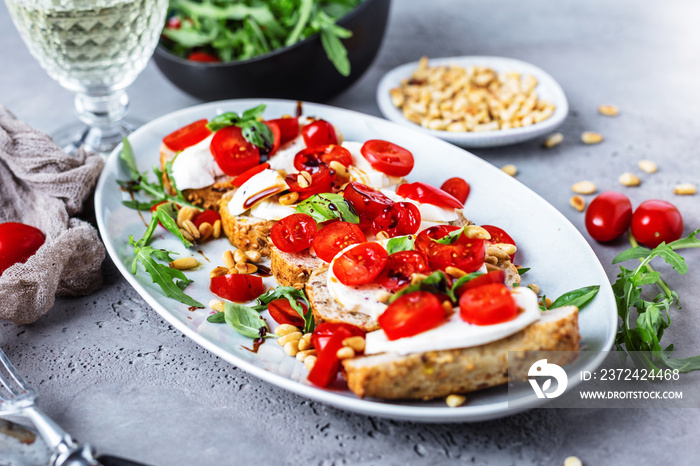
pixel 547 89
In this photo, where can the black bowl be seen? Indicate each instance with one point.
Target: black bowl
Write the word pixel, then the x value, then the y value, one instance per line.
pixel 301 71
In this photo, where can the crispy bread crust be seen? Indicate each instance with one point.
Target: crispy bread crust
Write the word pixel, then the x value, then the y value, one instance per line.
pixel 440 373
pixel 293 269
pixel 244 232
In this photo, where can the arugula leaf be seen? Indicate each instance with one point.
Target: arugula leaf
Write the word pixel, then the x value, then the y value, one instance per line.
pixel 335 50
pixel 164 213
pixel 400 243
pixel 217 318
pixel 246 320
pixel 138 205
pixel 450 237
pixel 328 206
pixel 293 296
pixel 127 155
pixel 579 297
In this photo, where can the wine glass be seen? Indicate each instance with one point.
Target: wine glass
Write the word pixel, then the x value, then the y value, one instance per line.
pixel 95 48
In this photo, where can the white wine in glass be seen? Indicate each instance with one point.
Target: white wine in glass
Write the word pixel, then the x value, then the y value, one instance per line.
pixel 95 48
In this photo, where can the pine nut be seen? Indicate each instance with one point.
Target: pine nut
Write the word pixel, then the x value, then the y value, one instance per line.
pixel 217 229
pixel 589 137
pixel 382 296
pixel 491 267
pixel 498 253
pixel 310 361
pixel 186 234
pixel 608 110
pixel 185 213
pixel 289 198
pixel 301 355
pixel 345 353
pixel 508 248
pixel 285 329
pixel 217 272
pixel 357 343
pixel 584 187
pixel 685 189
pixel 239 256
pixel 253 256
pixel 192 228
pixel 547 303
pixel 534 288
pixel 228 259
pixel 305 342
pixel 251 268
pixel 241 267
pixel 302 182
pixel 455 401
pixel 578 203
pixel 476 232
pixel 205 231
pixel 217 305
pixel 629 179
pixel 291 348
pixel 572 461
pixel 339 169
pixel 233 271
pixel 294 336
pixel 553 140
pixel 455 272
pixel 184 263
pixel 510 169
pixel 647 166
pixel 306 175
pixel 282 173
pixel 447 307
pixel 417 277
pixel 490 260
pixel 382 235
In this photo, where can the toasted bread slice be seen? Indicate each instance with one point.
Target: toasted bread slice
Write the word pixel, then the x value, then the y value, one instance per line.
pixel 245 232
pixel 293 269
pixel 440 373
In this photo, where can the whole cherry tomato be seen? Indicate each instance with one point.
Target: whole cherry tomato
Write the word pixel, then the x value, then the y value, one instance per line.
pixel 458 188
pixel 327 339
pixel 367 202
pixel 18 242
pixel 206 216
pixel 232 152
pixel 203 57
pixel 312 156
pixel 399 268
pixel 499 235
pixel 361 264
pixel 655 222
pixel 239 288
pixel 411 314
pixel 335 237
pixel 398 219
pixel 487 305
pixel 293 233
pixel 608 216
pixel 387 157
pixel 319 133
pixel 289 128
pixel 322 178
pixel 248 174
pixel 187 136
pixel 426 194
pixel 283 313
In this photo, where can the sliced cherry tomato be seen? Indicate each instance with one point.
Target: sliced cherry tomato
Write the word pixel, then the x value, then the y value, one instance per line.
pixel 289 128
pixel 232 152
pixel 203 57
pixel 187 136
pixel 335 237
pixel 173 23
pixel 426 194
pixel 327 339
pixel 608 216
pixel 367 202
pixel 319 133
pixel 361 264
pixel 322 179
pixel 276 137
pixel 465 254
pixel 312 156
pixel 398 219
pixel 425 238
pixel 458 188
pixel 411 314
pixel 206 216
pixel 387 157
pixel 655 222
pixel 239 288
pixel 499 235
pixel 293 233
pixel 495 276
pixel 18 242
pixel 248 174
pixel 487 305
pixel 399 268
pixel 283 313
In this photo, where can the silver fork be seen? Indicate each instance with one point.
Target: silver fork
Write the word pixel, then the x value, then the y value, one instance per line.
pixel 17 397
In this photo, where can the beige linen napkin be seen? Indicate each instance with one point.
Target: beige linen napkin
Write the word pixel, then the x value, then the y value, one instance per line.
pixel 42 186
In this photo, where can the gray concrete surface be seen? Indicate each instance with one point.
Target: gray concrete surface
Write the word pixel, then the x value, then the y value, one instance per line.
pixel 112 372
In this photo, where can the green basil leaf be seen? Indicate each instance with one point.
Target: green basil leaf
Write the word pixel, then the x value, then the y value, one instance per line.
pixel 254 113
pixel 578 298
pixel 523 270
pixel 461 281
pixel 245 320
pixel 257 133
pixel 433 283
pixel 400 243
pixel 450 237
pixel 223 120
pixel 328 206
pixel 217 318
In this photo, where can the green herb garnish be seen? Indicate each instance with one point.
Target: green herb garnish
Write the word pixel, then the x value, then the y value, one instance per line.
pixel 400 243
pixel 578 298
pixel 254 131
pixel 293 296
pixel 328 206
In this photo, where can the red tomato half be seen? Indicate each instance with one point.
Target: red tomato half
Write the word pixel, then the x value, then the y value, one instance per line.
pixel 487 305
pixel 289 128
pixel 465 254
pixel 426 194
pixel 495 276
pixel 276 137
pixel 203 57
pixel 499 235
pixel 327 339
pixel 655 222
pixel 232 152
pixel 425 238
pixel 608 216
pixel 361 264
pixel 283 313
pixel 335 237
pixel 18 242
pixel 411 314
pixel 458 188
pixel 173 23
pixel 319 133
pixel 398 219
pixel 387 157
pixel 206 216
pixel 312 156
pixel 322 179
pixel 248 174
pixel 239 288
pixel 367 202
pixel 187 136
pixel 293 233
pixel 399 268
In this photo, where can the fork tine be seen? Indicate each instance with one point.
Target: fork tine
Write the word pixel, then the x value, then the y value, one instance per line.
pixel 16 376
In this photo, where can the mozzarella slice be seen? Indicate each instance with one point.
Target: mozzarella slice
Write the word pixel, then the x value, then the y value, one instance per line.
pixel 195 167
pixel 258 188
